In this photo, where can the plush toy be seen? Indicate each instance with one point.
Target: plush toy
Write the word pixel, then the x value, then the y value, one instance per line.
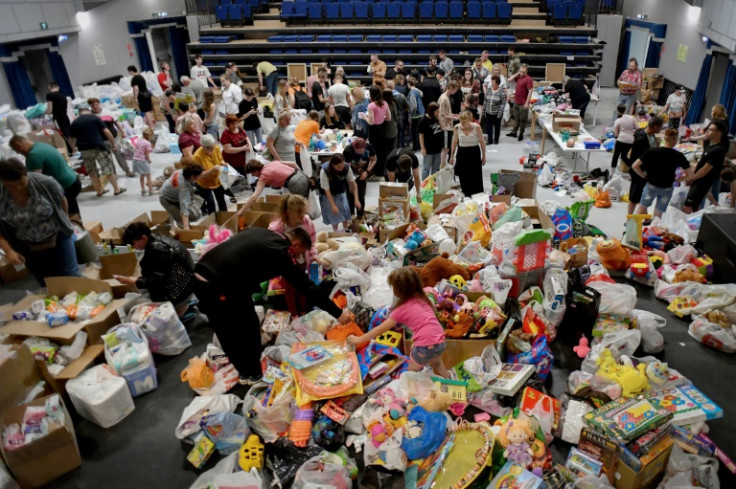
pixel 458 281
pixel 657 372
pixel 438 268
pixel 603 200
pixel 489 315
pixel 516 436
pixel 458 325
pixel 582 349
pixel 415 240
pixel 613 256
pixel 379 433
pixel 633 381
pixel 717 317
pixel 437 401
pixel 687 274
pixel 475 285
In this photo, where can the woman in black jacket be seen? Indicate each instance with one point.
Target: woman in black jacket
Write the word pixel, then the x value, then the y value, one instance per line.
pixel 167 269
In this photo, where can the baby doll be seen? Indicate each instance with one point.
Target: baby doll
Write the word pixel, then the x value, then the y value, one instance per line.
pixel 514 436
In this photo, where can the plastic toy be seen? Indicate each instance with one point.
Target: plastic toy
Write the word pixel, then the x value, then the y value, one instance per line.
pixel 415 240
pixel 657 372
pixel 532 250
pixel 582 348
pixel 458 281
pixel 441 267
pixel 633 236
pixel 251 454
pixel 328 433
pixel 437 401
pixel 641 270
pixel 613 256
pixel 516 436
pixel 389 338
pixel 301 426
pixel 632 380
pixel 338 376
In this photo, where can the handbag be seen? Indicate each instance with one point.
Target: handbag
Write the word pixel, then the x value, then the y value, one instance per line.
pixel 315 212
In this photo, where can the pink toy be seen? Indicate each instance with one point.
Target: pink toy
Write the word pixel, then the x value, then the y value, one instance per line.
pixel 475 286
pixel 582 349
pixel 482 417
pixel 215 237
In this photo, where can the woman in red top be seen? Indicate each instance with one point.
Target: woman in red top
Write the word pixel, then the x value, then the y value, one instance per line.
pixel 235 144
pixel 189 137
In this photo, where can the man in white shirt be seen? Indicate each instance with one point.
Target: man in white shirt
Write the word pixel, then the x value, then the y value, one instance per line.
pixel 232 95
pixel 675 108
pixel 445 62
pixel 341 99
pixel 201 73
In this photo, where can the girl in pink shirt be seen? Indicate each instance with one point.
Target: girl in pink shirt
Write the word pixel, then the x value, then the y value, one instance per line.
pixel 376 116
pixel 142 161
pixel 293 214
pixel 413 310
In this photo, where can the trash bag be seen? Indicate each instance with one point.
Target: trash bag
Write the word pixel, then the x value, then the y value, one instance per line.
pixel 284 460
pixel 165 332
pixel 350 251
pixel 425 433
pixel 615 298
pixel 227 431
pixel 712 334
pixel 316 473
pixel 269 422
pixel 649 323
pixel 546 176
pixel 201 406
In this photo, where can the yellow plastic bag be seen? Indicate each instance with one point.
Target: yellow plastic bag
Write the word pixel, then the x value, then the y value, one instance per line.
pixel 479 230
pixel 198 374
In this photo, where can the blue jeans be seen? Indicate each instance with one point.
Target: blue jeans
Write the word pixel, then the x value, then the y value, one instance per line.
pixel 59 261
pixel 255 136
pixel 663 196
pixel 212 130
pixel 425 354
pixel 271 82
pixel 430 165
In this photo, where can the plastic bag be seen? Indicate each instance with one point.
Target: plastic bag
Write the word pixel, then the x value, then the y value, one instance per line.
pixel 227 431
pixel 498 287
pixel 126 349
pixel 479 229
pixel 380 293
pixel 91 391
pixel 436 233
pixel 713 335
pixel 685 470
pixel 649 324
pixel 546 176
pixel 481 369
pixel 238 480
pixel 714 296
pixel 540 356
pixel 198 374
pixel 615 298
pixel 316 474
pixel 349 275
pixel 429 428
pixel 226 466
pixel 315 211
pixel 165 332
pixel 316 320
pixel 615 187
pixel 284 460
pixel 350 251
pixel 682 254
pixel 269 422
pixel 589 481
pixel 201 406
pixel 571 418
pixel 474 253
pixel 444 179
pixel 555 291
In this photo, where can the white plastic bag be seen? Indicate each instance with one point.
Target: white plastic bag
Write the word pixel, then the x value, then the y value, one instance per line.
pixel 317 474
pixel 164 330
pixel 349 275
pixel 682 254
pixel 555 291
pixel 200 406
pixel 474 254
pixel 350 251
pixel 714 296
pixel 713 335
pixel 6 481
pixel 615 187
pixel 615 298
pixel 238 480
pixel 100 396
pixel 126 349
pixel 379 294
pixel 444 179
pixel 546 176
pixel 227 465
pixel 315 211
pixel 649 323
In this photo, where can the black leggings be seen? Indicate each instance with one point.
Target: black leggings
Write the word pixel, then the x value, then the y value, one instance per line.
pixel 210 196
pixel 71 193
pixel 377 138
pixel 361 184
pixel 493 127
pixel 622 150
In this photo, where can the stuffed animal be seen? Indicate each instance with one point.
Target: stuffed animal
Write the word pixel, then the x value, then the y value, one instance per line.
pixel 458 325
pixel 613 256
pixel 475 285
pixel 582 349
pixel 633 381
pixel 415 240
pixel 687 274
pixel 516 436
pixel 657 372
pixel 603 200
pixel 437 401
pixel 438 268
pixel 717 317
pixel 458 281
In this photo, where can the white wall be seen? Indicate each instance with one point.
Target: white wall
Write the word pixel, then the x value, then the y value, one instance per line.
pixel 682 28
pixel 719 22
pixel 108 27
pixel 20 20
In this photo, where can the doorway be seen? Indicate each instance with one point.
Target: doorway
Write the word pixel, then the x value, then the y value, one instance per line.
pixel 160 46
pixel 36 64
pixel 639 45
pixel 715 81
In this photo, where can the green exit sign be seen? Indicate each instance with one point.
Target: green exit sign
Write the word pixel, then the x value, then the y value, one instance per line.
pixel 44 26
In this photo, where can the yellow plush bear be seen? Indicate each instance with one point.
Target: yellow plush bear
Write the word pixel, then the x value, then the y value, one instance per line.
pixel 633 381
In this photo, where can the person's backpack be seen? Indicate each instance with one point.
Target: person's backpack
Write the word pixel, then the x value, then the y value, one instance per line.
pixel 301 100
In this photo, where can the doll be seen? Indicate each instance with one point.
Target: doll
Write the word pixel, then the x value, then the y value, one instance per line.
pixel 514 436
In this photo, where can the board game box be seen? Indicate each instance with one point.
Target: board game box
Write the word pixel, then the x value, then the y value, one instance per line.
pixel 627 419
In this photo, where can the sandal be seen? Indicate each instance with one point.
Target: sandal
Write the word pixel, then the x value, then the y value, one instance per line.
pixel 233 200
pixel 121 191
pixel 103 192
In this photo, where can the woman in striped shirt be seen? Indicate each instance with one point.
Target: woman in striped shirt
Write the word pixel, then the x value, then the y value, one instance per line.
pixel 493 108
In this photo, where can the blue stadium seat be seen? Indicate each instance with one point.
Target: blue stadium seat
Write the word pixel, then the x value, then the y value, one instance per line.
pixel 559 13
pixel 439 38
pixel 409 11
pixel 492 38
pixel 332 11
pixel 489 10
pixel 277 38
pixel 581 39
pixel 503 11
pixel 575 12
pixel 305 38
pixel 379 10
pixel 221 14
pixel 406 38
pixel 235 14
pixel 566 39
pixel 324 38
pixel 456 10
pixel 347 11
pixel 300 9
pixel 475 37
pixel 314 11
pixel 361 11
pixel 474 11
pixel 426 11
pixel 373 38
pixel 352 38
pixel 290 38
pixel 393 11
pixel 441 10
pixel 424 38
pixel 339 38
pixel 306 51
pixel 276 51
pixel 507 38
pixel 456 38
pixel 287 10
pixel 388 38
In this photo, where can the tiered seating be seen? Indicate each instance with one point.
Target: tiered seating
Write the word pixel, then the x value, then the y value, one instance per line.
pixel 296 12
pixel 565 12
pixel 237 12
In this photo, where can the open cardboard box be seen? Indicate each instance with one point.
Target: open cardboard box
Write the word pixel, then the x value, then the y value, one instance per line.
pixel 648 476
pixel 393 189
pixel 111 265
pixel 526 187
pixel 9 273
pixel 39 462
pixel 64 335
pixel 94 228
pixel 399 232
pixel 539 218
pixel 456 351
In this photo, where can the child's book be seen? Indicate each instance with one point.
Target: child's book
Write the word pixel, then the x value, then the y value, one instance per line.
pixel 627 419
pixel 511 378
pixel 687 404
pixel 512 475
pixel 310 357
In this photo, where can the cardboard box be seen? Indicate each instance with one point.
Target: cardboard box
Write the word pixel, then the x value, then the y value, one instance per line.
pixel 227 220
pixel 61 286
pixel 263 207
pixel 648 476
pixel 37 463
pixel 18 375
pixel 387 235
pixel 526 187
pixel 456 351
pixel 9 273
pixel 94 228
pixel 393 205
pixel 393 189
pixel 273 199
pixel 540 220
pixel 565 121
pixel 47 136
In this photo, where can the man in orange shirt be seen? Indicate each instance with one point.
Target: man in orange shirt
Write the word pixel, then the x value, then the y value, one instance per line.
pixel 378 69
pixel 304 131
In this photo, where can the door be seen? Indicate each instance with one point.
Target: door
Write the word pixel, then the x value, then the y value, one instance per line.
pixel 639 45
pixel 37 65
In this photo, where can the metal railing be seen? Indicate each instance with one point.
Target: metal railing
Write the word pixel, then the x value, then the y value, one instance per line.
pixel 203 9
pixel 595 7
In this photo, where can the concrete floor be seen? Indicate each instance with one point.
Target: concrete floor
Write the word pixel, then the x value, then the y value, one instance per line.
pixel 142 451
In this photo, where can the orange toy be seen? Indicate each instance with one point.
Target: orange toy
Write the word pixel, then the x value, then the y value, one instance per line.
pixel 340 334
pixel 603 200
pixel 301 427
pixel 440 267
pixel 458 325
pixel 613 256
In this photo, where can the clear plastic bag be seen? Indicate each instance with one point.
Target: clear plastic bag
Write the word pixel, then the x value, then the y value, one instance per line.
pixel 615 298
pixel 589 481
pixel 227 465
pixel 474 254
pixel 126 349
pixel 649 323
pixel 379 294
pixel 316 320
pixel 316 474
pixel 445 179
pixel 615 187
pixel 200 406
pixel 682 254
pixel 349 275
pixel 269 422
pixel 226 430
pixel 555 291
pixel 165 332
pixel 350 251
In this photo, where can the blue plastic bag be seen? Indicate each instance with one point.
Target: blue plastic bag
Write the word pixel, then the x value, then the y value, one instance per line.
pixel 227 431
pixel 540 356
pixel 563 224
pixel 432 425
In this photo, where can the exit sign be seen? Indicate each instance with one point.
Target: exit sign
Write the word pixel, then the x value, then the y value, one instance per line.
pixel 44 26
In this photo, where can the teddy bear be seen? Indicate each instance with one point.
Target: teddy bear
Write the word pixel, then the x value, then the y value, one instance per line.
pixel 440 267
pixel 717 317
pixel 437 401
pixel 613 256
pixel 687 274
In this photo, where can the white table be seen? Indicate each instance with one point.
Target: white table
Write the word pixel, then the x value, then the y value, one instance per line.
pixel 579 147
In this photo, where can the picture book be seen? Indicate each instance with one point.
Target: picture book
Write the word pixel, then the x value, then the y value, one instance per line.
pixel 511 378
pixel 687 404
pixel 602 448
pixel 583 463
pixel 627 419
pixel 512 475
pixel 310 357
